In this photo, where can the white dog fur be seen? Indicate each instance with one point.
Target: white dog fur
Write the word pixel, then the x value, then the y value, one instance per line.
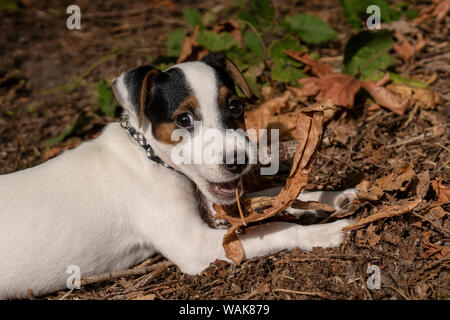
pixel 105 206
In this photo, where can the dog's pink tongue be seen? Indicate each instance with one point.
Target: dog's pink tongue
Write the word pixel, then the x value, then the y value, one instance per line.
pixel 228 187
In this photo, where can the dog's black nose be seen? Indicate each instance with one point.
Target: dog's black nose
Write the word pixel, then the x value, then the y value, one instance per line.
pixel 235 166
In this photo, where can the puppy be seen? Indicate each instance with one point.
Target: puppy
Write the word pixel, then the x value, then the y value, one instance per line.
pixel 115 201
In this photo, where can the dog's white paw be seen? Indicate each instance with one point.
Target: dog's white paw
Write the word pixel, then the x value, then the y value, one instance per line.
pixel 343 202
pixel 326 235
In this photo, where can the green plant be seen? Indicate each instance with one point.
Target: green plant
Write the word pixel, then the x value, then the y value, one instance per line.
pixel 105 99
pixel 310 28
pixel 366 54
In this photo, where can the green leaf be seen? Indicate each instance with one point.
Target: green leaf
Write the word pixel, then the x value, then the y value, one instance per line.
pixel 366 53
pixel 285 69
pixel 242 58
pixel 400 9
pixel 355 11
pixel 208 18
pixel 352 9
pixel 164 62
pixel 315 56
pixel 310 28
pixel 175 41
pixel 411 14
pixel 253 86
pixel 285 72
pixel 253 43
pixel 385 11
pixel 396 78
pixel 264 8
pixel 106 99
pixel 216 42
pixel 248 17
pixel 192 17
pixel 278 47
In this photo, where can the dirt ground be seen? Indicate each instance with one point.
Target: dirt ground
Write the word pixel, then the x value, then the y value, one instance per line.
pixel 39 54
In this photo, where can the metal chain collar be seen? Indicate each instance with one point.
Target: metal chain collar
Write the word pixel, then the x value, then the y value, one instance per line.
pixel 142 141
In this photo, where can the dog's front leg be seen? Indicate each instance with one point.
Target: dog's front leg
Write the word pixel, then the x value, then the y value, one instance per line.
pixel 276 236
pixel 193 245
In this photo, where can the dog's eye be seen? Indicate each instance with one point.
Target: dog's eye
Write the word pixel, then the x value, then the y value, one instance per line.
pixel 184 120
pixel 236 108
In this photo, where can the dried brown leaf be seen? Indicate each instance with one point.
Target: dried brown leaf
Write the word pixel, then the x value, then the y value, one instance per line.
pixel 231 27
pixel 386 212
pixel 275 113
pixel 366 192
pixel 385 97
pixel 260 117
pixel 232 245
pixel 433 250
pixel 373 238
pixel 442 191
pixel 423 184
pixel 317 68
pixel 405 49
pixel 339 88
pixel 439 9
pixel 438 212
pixel 427 98
pixel 312 205
pixel 398 180
pixel 191 50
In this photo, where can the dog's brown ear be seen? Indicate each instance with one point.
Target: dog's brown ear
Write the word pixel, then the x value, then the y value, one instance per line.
pixel 133 89
pixel 221 61
pixel 146 91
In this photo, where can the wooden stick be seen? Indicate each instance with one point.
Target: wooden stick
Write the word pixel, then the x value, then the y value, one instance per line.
pixel 239 206
pixel 286 150
pixel 385 212
pixel 306 293
pixel 124 273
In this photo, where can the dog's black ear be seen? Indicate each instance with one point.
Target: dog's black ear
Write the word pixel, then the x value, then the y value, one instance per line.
pixel 219 60
pixel 134 88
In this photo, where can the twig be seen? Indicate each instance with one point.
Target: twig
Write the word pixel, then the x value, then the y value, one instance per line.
pixel 385 212
pixel 306 293
pixel 152 275
pixel 412 114
pixel 66 294
pixel 286 151
pixel 413 139
pixel 332 257
pixel 123 273
pixel 398 291
pixel 239 206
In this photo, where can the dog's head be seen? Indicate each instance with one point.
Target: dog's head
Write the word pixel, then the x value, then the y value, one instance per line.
pixel 164 104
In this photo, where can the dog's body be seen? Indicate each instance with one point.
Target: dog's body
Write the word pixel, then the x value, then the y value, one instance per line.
pixel 105 206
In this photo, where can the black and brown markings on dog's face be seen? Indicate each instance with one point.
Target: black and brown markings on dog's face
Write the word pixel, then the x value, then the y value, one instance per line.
pixel 225 97
pixel 226 94
pixel 170 96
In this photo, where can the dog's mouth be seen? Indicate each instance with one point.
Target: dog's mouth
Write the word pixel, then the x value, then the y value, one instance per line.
pixel 224 190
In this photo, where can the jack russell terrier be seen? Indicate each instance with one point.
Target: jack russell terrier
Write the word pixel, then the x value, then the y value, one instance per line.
pixel 115 201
